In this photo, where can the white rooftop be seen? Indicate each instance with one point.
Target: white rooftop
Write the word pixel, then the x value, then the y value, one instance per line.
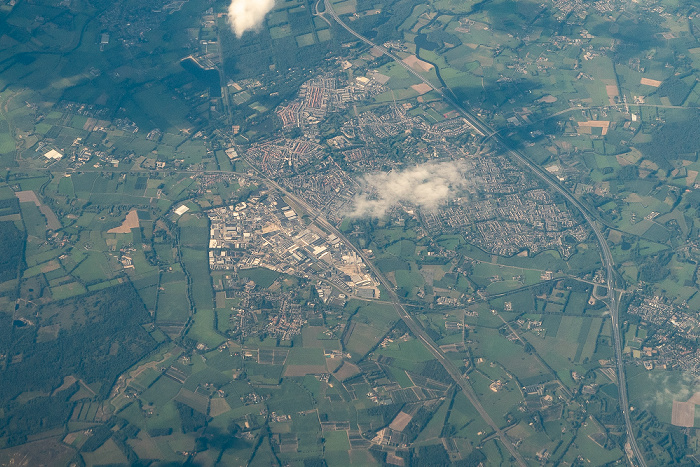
pixel 181 210
pixel 53 154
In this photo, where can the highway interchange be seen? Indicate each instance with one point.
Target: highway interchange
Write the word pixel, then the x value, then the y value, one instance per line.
pixel 606 255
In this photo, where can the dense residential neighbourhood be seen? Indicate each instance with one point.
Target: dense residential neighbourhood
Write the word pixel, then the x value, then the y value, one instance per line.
pixel 343 232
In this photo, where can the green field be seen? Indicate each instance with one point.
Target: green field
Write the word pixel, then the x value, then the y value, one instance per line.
pixel 261 276
pixel 131 347
pixel 303 356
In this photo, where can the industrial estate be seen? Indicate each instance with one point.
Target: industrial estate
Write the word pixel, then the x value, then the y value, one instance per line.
pixel 401 233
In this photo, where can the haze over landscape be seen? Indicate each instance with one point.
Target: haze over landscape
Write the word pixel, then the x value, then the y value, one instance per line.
pixel 342 232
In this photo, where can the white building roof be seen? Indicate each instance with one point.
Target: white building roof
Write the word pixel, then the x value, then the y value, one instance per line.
pixel 181 210
pixel 53 154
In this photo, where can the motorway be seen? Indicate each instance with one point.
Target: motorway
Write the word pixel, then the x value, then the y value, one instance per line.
pixel 606 255
pixel 415 328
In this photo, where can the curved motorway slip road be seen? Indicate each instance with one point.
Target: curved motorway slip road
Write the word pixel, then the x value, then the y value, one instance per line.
pixel 606 255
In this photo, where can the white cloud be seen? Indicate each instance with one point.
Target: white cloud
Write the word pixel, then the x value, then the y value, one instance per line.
pixel 248 15
pixel 668 389
pixel 426 186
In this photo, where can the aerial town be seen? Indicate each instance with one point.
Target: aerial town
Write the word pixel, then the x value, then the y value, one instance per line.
pixel 349 233
pixel 266 232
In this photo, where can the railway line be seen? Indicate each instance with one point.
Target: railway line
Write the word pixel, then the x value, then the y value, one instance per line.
pixel 606 255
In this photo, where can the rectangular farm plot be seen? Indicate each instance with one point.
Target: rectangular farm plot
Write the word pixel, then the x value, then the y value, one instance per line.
pixel 277 17
pixel 400 421
pixel 278 32
pixel 345 7
pixel 497 348
pixel 650 82
pixel 613 92
pixel 569 329
pixel 417 64
pixel 367 327
pixel 303 361
pixel 421 88
pixel 72 289
pixel 588 347
pixel 362 338
pixel 264 374
pixel 50 218
pixel 337 441
pixel 162 391
pixel 347 371
pixel 218 406
pixel 272 356
pixel 195 401
pixel 591 125
pixel 172 303
pixel 305 39
pixel 304 356
pixel 34 222
pixel 94 267
pixel 108 452
pixel 319 337
pixel 683 414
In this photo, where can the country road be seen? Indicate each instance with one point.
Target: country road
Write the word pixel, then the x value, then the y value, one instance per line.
pixel 415 328
pixel 606 255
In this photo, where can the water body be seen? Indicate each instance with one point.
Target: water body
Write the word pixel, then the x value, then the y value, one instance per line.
pixel 437 67
pixel 18 323
pixel 208 77
pixel 422 42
